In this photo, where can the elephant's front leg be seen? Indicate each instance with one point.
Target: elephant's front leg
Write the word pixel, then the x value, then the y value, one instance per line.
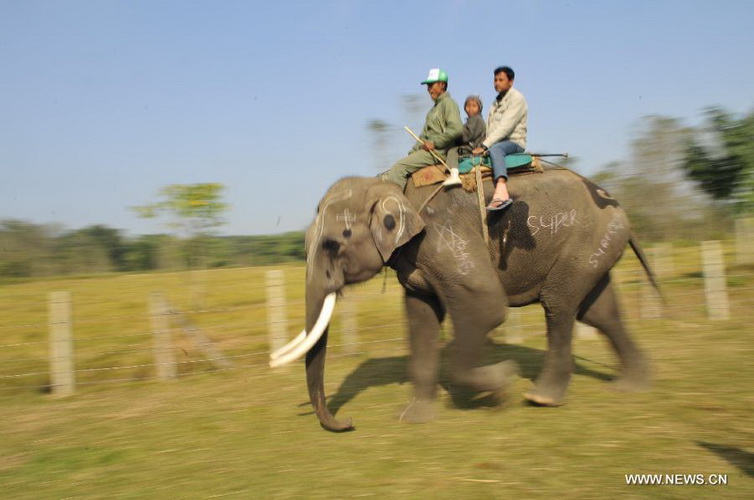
pixel 472 321
pixel 425 314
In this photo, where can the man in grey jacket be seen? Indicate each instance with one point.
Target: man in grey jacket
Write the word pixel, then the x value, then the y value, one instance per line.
pixel 506 133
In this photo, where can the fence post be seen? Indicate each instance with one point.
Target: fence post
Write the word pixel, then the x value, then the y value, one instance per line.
pixel 584 331
pixel 714 280
pixel 213 354
pixel 651 308
pixel 277 316
pixel 663 260
pixel 197 288
pixel 163 345
pixel 349 325
pixel 513 330
pixel 745 241
pixel 62 374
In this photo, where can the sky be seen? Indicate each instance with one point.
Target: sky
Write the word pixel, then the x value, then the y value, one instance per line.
pixel 104 102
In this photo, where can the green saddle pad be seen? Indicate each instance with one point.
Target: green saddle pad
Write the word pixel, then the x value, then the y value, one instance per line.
pixel 466 164
pixel 517 160
pixel 511 161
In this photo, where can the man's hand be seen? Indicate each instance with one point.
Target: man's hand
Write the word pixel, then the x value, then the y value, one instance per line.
pixel 479 151
pixel 428 146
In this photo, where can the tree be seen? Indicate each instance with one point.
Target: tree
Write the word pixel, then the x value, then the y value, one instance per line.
pixel 25 249
pixel 414 107
pixel 385 136
pixel 111 241
pixel 720 159
pixel 141 254
pixel 194 211
pixel 380 131
pixel 78 253
pixel 662 203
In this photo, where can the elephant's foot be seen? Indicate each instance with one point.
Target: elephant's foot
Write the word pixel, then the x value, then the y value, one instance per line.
pixel 418 412
pixel 549 390
pixel 491 378
pixel 486 386
pixel 632 381
pixel 635 377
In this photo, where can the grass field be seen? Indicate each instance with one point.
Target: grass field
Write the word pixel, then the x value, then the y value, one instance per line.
pixel 248 431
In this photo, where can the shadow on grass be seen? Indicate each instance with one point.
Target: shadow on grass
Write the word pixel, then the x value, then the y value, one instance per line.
pixel 394 370
pixel 734 456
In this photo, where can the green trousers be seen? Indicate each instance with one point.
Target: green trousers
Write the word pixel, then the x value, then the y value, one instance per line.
pixel 403 168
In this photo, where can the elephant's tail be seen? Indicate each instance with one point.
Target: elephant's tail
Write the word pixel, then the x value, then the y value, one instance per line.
pixel 634 242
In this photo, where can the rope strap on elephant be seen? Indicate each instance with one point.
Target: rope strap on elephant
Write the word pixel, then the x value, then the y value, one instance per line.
pixel 482 204
pixel 477 171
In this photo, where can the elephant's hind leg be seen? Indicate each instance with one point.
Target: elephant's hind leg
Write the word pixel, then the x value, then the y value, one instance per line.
pixel 601 310
pixel 425 314
pixel 552 383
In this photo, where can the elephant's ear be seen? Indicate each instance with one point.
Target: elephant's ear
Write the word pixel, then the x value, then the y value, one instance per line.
pixel 393 222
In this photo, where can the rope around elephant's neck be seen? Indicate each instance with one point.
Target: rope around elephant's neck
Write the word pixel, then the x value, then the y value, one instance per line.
pixel 480 196
pixel 430 197
pixel 482 208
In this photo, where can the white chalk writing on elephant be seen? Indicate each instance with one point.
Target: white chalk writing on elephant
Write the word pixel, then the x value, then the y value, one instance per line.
pixel 551 222
pixel 401 214
pixel 346 217
pixel 456 245
pixel 320 227
pixel 613 227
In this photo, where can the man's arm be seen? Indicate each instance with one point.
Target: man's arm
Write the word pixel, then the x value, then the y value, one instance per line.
pixel 453 125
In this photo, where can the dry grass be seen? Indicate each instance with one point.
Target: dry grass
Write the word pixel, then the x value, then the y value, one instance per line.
pixel 248 432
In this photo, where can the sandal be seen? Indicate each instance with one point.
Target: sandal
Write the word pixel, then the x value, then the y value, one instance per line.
pixel 499 204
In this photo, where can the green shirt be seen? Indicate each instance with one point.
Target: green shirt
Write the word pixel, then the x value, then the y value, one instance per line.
pixel 443 124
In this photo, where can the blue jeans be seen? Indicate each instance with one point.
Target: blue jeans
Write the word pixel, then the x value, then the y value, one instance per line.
pixel 498 151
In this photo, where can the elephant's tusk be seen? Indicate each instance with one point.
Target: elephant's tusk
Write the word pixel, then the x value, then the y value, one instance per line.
pixel 293 352
pixel 290 345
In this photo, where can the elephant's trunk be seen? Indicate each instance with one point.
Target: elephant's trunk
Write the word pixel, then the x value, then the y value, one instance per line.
pixel 315 368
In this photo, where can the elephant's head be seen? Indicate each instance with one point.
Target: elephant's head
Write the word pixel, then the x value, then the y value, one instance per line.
pixel 360 223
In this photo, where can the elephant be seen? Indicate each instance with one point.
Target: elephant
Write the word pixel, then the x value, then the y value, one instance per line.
pixel 555 245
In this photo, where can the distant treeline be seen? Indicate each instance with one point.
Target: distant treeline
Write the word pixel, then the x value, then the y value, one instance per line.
pixel 682 184
pixel 31 250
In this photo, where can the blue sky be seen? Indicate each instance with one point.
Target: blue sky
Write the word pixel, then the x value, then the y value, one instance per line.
pixel 105 102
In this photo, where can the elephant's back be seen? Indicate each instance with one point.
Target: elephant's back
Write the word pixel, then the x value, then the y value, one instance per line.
pixel 558 216
pixel 558 188
pixel 551 180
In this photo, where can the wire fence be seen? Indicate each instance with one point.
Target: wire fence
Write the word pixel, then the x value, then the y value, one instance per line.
pixel 234 333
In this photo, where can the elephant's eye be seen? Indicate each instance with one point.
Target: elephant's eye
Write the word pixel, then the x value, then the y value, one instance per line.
pixel 331 246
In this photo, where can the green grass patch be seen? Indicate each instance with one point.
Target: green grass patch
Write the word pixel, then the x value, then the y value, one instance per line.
pixel 248 432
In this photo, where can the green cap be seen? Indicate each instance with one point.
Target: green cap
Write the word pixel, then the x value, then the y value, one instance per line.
pixel 436 75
